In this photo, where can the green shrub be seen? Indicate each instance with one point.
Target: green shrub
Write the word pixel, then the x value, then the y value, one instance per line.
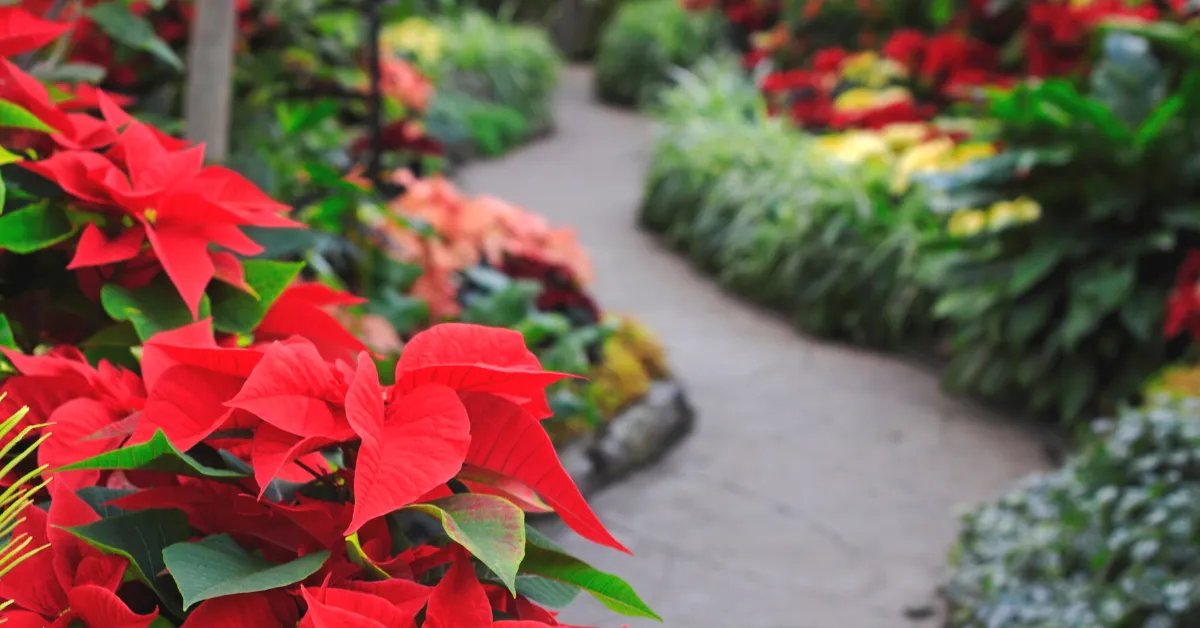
pixel 1066 313
pixel 644 42
pixel 1111 540
pixel 463 123
pixel 760 206
pixel 492 61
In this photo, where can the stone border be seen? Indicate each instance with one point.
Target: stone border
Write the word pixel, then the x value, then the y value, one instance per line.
pixel 637 438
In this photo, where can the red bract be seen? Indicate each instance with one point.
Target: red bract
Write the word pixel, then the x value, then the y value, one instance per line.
pixel 84 404
pixel 1057 35
pixel 829 60
pixel 167 198
pixel 22 31
pixel 302 311
pixel 413 445
pixel 1183 307
pixel 70 583
pixel 73 130
pixel 269 609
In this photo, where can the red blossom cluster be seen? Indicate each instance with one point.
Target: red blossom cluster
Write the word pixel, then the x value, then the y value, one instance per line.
pixel 937 68
pixel 1057 35
pixel 1183 306
pixel 466 402
pixel 223 431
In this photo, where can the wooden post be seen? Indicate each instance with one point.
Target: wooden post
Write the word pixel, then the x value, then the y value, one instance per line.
pixel 210 76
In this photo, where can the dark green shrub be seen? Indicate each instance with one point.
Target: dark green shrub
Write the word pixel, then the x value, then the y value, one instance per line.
pixel 1066 313
pixel 644 42
pixel 1111 540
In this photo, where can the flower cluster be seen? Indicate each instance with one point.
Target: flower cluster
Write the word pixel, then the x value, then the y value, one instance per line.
pixel 474 230
pixel 965 223
pixel 245 465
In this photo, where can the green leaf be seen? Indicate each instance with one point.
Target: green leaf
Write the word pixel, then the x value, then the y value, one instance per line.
pixel 1027 317
pixel 153 308
pixel 16 116
pixel 612 591
pixel 6 334
pixel 283 242
pixel 156 454
pixel 940 12
pixel 1142 313
pixel 1034 266
pixel 216 566
pixel 492 528
pixel 115 19
pixel 34 228
pixel 546 592
pixel 73 73
pixel 141 538
pixel 1079 382
pixel 6 158
pixel 98 497
pixel 235 311
pixel 1158 120
pixel 1094 294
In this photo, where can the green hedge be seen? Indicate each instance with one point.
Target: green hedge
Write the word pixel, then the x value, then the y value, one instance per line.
pixel 495 83
pixel 645 41
pixel 758 205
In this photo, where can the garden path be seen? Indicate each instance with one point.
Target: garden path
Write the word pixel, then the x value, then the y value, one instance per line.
pixel 820 486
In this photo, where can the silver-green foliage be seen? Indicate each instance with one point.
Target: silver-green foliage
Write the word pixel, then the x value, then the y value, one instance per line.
pixel 1110 540
pixel 644 42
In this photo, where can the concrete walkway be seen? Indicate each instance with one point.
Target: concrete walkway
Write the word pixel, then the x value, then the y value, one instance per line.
pixel 820 488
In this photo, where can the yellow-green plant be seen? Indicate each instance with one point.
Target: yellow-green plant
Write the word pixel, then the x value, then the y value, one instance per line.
pixel 13 501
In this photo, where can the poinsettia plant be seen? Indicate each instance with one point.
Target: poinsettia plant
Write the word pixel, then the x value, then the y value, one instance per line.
pixel 223 451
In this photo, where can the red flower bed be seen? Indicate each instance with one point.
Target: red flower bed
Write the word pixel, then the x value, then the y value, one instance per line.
pixel 251 468
pixel 938 66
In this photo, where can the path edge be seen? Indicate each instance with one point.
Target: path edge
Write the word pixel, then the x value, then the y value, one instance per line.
pixel 634 440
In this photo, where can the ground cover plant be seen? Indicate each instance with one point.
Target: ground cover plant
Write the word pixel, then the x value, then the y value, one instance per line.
pixel 220 449
pixel 1108 541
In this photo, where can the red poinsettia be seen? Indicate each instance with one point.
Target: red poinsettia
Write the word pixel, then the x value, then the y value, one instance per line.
pixel 70 583
pixel 83 404
pixel 152 189
pixel 1057 34
pixel 22 31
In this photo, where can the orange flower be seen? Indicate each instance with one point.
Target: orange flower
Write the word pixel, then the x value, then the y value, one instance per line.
pixel 404 82
pixel 471 230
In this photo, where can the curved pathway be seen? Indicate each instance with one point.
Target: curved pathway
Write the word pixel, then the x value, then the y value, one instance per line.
pixel 820 486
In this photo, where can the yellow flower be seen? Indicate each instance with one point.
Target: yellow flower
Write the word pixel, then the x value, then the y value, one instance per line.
pixel 1027 209
pixel 929 156
pixel 1007 213
pixel 415 35
pixel 861 98
pixel 868 69
pixel 1001 214
pixel 967 152
pixel 855 147
pixel 967 222
pixel 904 135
